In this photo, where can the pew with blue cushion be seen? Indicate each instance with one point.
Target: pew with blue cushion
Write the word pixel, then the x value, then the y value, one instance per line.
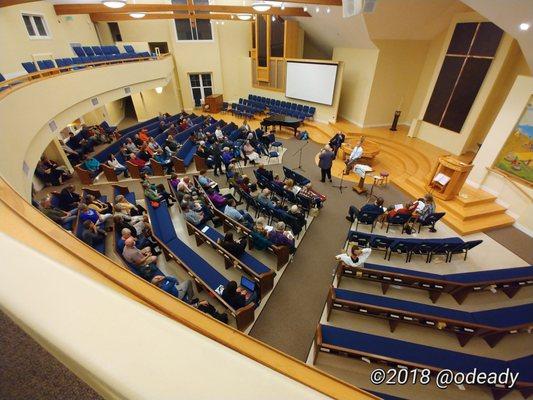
pixel 78 229
pixel 508 280
pixel 334 340
pixel 490 325
pixel 184 156
pixel 204 274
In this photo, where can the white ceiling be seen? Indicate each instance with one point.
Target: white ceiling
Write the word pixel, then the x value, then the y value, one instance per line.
pixel 508 15
pixel 411 19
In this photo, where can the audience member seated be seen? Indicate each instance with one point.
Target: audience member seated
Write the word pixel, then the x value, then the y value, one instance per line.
pixel 237 296
pixel 153 147
pixel 295 211
pixel 124 206
pixel 263 198
pixel 164 195
pixel 91 234
pixel 143 135
pixel 171 146
pixel 141 240
pixel 241 216
pixel 73 156
pixel 374 208
pixel 227 157
pixel 259 234
pixel 92 165
pixel 182 291
pixel 399 209
pixel 205 182
pixel 50 172
pixel 245 127
pixel 100 206
pixel 68 198
pixel 118 167
pixel 143 165
pixel 174 180
pixel 87 213
pixel 196 217
pixel 232 246
pixel 261 170
pixel 356 257
pixel 78 143
pixel 151 193
pixel 316 198
pixel 249 153
pixel 185 186
pixel 63 218
pixel 142 259
pixel 425 207
pixel 132 148
pixel 282 237
pixel 164 160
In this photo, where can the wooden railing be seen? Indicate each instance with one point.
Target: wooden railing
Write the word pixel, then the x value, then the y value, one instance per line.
pixel 26 224
pixel 10 85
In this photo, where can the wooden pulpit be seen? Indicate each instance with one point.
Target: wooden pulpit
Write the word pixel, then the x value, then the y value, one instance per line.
pixel 448 177
pixel 214 101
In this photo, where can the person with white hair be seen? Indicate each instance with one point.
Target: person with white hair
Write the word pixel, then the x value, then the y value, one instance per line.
pixel 135 256
pixel 280 236
pixel 325 161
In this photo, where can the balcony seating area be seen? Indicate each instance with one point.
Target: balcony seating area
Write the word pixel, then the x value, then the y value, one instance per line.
pixel 283 107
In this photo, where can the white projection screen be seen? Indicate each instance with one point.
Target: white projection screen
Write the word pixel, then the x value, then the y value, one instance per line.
pixel 311 81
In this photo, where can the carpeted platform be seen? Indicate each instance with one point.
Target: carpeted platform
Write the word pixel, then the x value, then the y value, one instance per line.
pixel 515 240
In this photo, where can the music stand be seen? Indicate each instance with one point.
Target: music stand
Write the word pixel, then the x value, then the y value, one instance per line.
pixel 300 156
pixel 340 186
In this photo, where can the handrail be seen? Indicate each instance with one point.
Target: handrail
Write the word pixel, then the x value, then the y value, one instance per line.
pixel 23 222
pixel 511 180
pixel 14 84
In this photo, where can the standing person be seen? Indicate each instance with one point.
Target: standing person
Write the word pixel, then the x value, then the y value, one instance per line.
pixel 336 142
pixel 216 153
pixel 325 161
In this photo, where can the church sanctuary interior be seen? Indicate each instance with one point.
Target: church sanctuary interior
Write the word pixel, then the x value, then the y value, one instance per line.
pixel 309 199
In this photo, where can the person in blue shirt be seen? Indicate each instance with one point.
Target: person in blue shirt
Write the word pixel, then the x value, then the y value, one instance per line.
pixel 238 215
pixel 182 291
pixel 374 208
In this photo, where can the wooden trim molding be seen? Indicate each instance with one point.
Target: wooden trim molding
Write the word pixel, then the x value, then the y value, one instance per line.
pixel 26 224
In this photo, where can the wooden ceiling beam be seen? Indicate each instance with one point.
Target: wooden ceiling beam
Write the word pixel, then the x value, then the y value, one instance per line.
pixel 331 3
pixel 107 17
pixel 72 9
pixel 7 3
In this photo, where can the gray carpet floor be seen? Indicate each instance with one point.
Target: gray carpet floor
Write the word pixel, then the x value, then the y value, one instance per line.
pixel 27 371
pixel 514 240
pixel 289 319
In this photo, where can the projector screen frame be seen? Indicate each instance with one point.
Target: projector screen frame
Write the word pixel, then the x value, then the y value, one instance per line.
pixel 312 61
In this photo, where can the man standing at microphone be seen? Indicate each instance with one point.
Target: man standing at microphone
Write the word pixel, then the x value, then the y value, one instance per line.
pixel 356 154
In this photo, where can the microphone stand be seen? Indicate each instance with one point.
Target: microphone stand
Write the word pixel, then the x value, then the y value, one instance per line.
pixel 340 186
pixel 300 156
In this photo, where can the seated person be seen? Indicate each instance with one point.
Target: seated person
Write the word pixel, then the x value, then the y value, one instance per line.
pixel 91 234
pixel 153 146
pixel 144 154
pixel 126 207
pixel 186 186
pixel 132 148
pixel 63 218
pixel 205 182
pixel 141 240
pixel 50 172
pixel 92 165
pixel 264 199
pixel 78 143
pixel 144 166
pixel 291 187
pixel 316 198
pixel 174 180
pixel 117 167
pixel 217 199
pixel 87 213
pixel 218 134
pixel 240 216
pixel 235 247
pixel 374 208
pixel 171 146
pixel 100 206
pixel 137 141
pixel 356 256
pixel 164 160
pixel 424 208
pixel 249 153
pixel 68 198
pixel 261 170
pixel 245 185
pixel 194 216
pixel 399 209
pixel 142 259
pixel 139 222
pixel 245 127
pixel 259 235
pixel 164 195
pixel 182 291
pixel 150 193
pixel 295 212
pixel 227 156
pixel 237 296
pixel 280 236
pixel 73 156
pixel 143 135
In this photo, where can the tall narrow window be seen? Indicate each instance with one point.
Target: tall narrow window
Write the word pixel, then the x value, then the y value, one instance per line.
pixel 36 26
pixel 194 28
pixel 467 61
pixel 201 87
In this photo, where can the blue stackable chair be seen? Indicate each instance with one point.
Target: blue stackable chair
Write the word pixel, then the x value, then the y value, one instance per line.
pixel 45 64
pixel 79 51
pixel 88 51
pixel 97 50
pixel 30 67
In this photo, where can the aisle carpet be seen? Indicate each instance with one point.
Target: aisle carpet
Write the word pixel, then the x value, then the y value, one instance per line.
pixel 291 315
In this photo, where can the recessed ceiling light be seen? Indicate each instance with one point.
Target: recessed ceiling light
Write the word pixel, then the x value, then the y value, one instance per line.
pixel 305 8
pixel 114 3
pixel 261 6
pixel 159 90
pixel 137 15
pixel 524 26
pixel 273 18
pixel 283 6
pixel 244 17
pixel 328 10
pixel 317 9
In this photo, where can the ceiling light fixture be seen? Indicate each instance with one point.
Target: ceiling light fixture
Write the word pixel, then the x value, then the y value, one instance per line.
pixel 159 90
pixel 137 15
pixel 114 3
pixel 261 6
pixel 305 8
pixel 524 26
pixel 328 10
pixel 317 9
pixel 283 6
pixel 273 18
pixel 244 17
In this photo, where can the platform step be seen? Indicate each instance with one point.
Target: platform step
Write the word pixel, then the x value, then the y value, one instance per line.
pixel 480 224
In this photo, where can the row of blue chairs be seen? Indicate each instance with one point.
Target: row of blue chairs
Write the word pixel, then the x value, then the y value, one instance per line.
pixel 260 107
pixel 109 52
pixel 243 111
pixel 276 110
pixel 286 106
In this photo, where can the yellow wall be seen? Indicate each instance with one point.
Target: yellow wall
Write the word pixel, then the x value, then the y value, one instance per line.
pixel 359 68
pixel 149 103
pixel 17 46
pixel 398 68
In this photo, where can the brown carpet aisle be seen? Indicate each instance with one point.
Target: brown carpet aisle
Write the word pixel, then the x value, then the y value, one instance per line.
pixel 290 317
pixel 514 240
pixel 27 371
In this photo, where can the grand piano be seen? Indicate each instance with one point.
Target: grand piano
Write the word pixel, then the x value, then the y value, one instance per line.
pixel 281 120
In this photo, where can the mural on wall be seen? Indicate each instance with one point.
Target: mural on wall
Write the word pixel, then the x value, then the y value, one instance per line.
pixel 516 155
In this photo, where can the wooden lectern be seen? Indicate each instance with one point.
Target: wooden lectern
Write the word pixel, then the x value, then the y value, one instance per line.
pixel 448 177
pixel 214 101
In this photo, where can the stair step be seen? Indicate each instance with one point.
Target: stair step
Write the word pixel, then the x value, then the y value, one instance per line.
pixel 481 210
pixel 478 224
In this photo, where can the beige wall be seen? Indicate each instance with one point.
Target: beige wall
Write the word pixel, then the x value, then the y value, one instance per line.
pixel 359 68
pixel 515 196
pixel 104 33
pixel 112 112
pixel 313 52
pixel 149 103
pixel 398 68
pixel 17 46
